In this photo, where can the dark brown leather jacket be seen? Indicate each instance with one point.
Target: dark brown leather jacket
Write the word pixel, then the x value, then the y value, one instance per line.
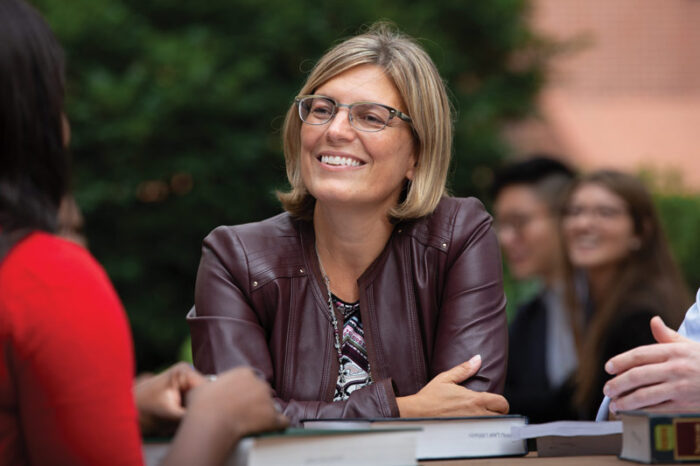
pixel 431 300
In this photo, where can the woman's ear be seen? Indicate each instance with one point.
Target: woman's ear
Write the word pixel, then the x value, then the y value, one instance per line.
pixel 411 172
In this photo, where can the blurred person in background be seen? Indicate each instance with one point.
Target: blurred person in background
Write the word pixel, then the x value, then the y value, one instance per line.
pixel 541 353
pixel 613 237
pixel 375 294
pixel 66 360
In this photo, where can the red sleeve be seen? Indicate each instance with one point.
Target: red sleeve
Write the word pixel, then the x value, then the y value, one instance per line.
pixel 68 350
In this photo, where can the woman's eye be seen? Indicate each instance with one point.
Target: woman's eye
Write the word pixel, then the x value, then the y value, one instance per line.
pixel 321 109
pixel 606 212
pixel 370 117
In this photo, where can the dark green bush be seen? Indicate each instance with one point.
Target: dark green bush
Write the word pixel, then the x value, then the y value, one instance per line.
pixel 681 218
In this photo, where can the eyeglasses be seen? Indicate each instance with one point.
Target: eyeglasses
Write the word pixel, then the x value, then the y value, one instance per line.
pixel 517 223
pixel 365 116
pixel 600 212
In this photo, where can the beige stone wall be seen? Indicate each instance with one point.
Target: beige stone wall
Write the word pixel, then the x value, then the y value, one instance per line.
pixel 628 97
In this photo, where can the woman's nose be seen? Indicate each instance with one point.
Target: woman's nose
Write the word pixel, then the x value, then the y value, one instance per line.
pixel 584 220
pixel 339 127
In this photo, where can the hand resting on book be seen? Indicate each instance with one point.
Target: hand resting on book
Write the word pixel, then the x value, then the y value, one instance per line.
pixel 664 375
pixel 444 397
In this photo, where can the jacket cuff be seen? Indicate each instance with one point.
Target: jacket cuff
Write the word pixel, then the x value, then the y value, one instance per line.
pixel 387 393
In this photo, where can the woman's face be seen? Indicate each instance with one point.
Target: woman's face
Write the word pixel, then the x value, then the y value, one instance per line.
pixel 598 228
pixel 344 166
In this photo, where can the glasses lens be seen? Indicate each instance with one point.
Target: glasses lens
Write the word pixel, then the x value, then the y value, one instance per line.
pixel 370 117
pixel 316 110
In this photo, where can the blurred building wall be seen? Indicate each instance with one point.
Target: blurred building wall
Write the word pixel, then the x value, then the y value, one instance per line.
pixel 627 94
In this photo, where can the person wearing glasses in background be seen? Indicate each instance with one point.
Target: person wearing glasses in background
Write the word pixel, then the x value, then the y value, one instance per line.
pixel 613 237
pixel 375 294
pixel 541 352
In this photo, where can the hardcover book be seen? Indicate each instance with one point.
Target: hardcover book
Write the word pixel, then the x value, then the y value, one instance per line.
pixel 297 447
pixel 660 437
pixel 447 438
pixel 574 438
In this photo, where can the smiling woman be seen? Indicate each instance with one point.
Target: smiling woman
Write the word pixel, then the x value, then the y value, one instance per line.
pixel 612 234
pixel 376 163
pixel 376 294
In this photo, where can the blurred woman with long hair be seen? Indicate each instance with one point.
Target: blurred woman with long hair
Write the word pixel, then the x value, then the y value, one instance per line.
pixel 613 237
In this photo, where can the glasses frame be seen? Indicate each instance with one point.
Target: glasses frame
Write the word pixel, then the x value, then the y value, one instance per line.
pixel 596 212
pixel 392 112
pixel 518 224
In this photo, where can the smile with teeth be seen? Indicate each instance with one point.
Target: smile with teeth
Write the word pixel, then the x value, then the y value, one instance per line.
pixel 586 241
pixel 338 161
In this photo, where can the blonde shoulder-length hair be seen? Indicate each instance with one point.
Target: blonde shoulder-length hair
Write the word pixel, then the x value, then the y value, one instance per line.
pixel 423 92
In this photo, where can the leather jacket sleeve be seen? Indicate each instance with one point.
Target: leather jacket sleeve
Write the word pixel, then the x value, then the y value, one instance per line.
pixel 228 332
pixel 472 316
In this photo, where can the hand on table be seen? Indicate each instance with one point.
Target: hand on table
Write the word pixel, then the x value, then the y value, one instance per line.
pixel 662 375
pixel 219 413
pixel 443 396
pixel 239 400
pixel 159 398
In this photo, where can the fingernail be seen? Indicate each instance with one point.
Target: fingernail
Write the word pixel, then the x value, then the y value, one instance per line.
pixel 475 359
pixel 609 368
pixel 613 407
pixel 606 391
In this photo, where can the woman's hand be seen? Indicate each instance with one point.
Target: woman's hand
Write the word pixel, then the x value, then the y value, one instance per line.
pixel 159 398
pixel 444 397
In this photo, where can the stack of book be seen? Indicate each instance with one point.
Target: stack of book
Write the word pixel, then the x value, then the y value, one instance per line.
pixel 660 437
pixel 385 442
pixel 446 438
pixel 390 447
pixel 573 438
pixel 295 446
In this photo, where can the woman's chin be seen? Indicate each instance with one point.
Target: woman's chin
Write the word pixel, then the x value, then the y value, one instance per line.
pixel 336 193
pixel 339 200
pixel 593 262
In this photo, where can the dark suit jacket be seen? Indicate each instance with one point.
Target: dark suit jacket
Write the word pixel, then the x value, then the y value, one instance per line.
pixel 527 388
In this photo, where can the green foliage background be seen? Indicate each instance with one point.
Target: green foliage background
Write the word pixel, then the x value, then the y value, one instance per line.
pixel 176 109
pixel 680 215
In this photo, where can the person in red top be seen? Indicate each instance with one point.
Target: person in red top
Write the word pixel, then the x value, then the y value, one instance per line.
pixel 65 387
pixel 66 357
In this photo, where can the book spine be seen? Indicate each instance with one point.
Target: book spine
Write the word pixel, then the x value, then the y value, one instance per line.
pixel 674 439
